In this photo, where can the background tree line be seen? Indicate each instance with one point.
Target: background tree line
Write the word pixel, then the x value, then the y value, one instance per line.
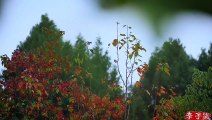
pixel 102 78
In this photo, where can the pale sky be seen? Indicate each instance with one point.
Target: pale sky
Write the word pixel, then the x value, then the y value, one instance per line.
pixel 85 17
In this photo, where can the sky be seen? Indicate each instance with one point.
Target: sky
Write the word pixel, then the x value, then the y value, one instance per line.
pixel 86 17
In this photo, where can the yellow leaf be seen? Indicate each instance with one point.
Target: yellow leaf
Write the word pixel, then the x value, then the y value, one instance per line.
pixel 145 67
pixel 71 100
pixel 70 109
pixel 129 101
pixel 138 84
pixel 115 42
pixel 166 70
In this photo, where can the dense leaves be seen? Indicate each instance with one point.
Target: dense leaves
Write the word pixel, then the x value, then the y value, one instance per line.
pixel 35 91
pixel 165 77
pixel 47 78
pixel 198 97
pixel 205 59
pixel 101 78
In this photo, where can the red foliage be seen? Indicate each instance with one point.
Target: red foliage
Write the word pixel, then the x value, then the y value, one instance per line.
pixel 36 90
pixel 165 111
pixel 142 69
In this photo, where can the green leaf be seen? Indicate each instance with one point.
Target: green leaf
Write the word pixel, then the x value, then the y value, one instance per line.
pixel 130 56
pixel 136 53
pixel 133 36
pixel 57 91
pixel 122 35
pixel 71 100
pixel 166 69
pixel 39 92
pixel 29 80
pixel 23 104
pixel 91 50
pixel 141 48
pixel 60 103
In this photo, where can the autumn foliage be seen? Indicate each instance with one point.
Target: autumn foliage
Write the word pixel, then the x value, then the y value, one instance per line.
pixel 33 88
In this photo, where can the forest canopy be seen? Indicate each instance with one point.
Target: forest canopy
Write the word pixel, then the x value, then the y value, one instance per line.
pixel 49 78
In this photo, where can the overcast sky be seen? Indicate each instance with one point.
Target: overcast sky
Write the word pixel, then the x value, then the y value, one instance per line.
pixel 85 17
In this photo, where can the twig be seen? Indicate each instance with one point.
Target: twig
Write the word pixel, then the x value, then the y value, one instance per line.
pixel 117 54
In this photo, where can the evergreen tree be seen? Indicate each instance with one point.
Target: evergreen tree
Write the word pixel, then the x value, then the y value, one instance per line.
pixel 198 95
pixel 173 53
pixel 205 59
pixel 45 31
pixel 93 62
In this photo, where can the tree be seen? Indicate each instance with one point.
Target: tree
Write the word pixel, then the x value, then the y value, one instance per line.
pixel 35 91
pixel 177 75
pixel 205 59
pixel 102 82
pixel 40 34
pixel 139 109
pixel 79 56
pixel 131 47
pixel 100 79
pixel 198 97
pixel 171 52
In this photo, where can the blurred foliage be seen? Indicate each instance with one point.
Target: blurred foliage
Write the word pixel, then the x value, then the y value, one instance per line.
pixel 1 6
pixel 157 11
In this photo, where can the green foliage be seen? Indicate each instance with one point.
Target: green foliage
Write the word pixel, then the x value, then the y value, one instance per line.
pixel 139 109
pixel 174 54
pixel 100 65
pixel 169 66
pixel 205 59
pixel 132 48
pixel 99 77
pixel 198 95
pixel 92 68
pixel 40 34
